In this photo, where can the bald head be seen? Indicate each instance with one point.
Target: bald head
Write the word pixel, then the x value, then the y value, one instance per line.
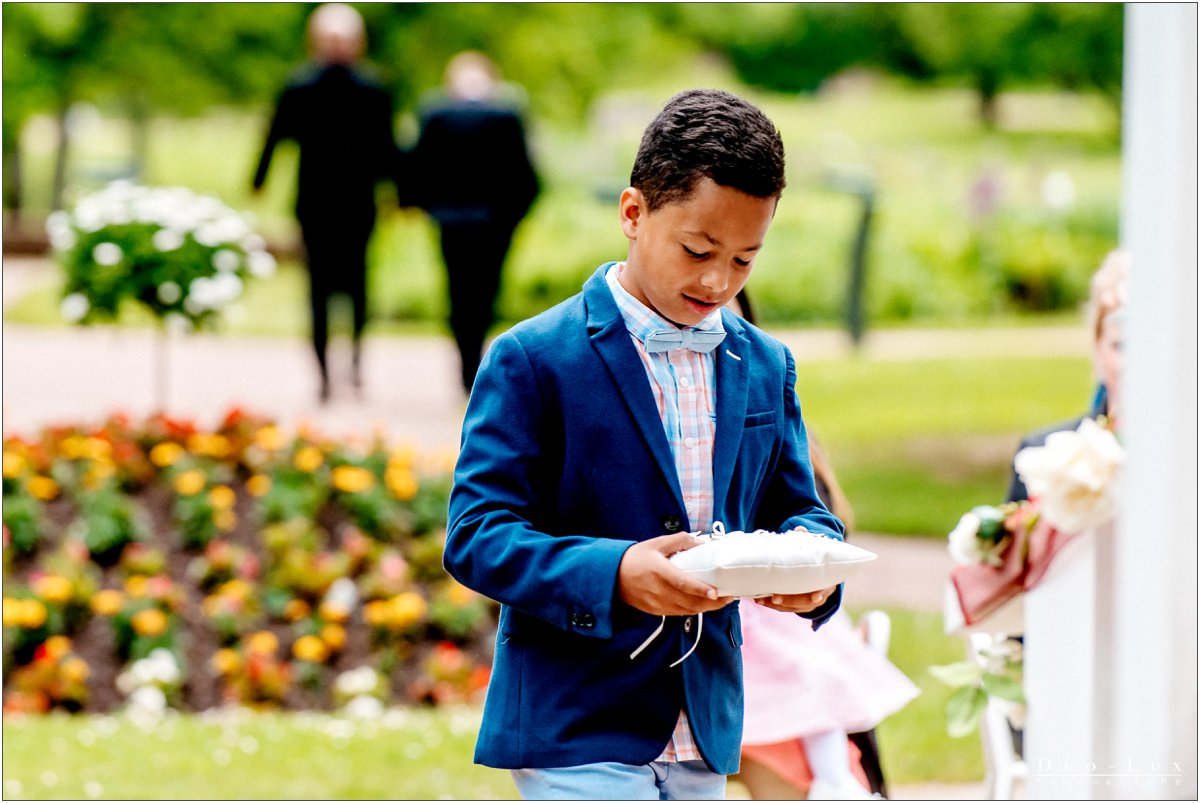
pixel 336 33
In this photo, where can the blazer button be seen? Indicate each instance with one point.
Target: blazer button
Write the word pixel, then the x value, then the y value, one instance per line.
pixel 687 625
pixel 672 524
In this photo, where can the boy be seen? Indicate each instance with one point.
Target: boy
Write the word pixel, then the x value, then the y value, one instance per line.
pixel 636 408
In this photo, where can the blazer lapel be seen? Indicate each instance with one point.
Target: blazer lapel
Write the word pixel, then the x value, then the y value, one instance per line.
pixel 733 382
pixel 610 338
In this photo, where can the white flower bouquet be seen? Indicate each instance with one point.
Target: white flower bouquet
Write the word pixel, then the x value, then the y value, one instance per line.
pixel 185 256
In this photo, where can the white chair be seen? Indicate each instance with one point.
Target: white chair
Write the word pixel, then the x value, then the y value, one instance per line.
pixel 1004 765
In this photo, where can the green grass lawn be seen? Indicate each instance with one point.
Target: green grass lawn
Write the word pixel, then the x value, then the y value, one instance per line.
pixel 409 754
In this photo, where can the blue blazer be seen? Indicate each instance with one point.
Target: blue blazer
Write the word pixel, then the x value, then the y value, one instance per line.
pixel 564 465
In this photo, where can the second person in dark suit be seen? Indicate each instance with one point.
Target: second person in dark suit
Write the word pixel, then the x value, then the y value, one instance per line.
pixel 341 118
pixel 471 172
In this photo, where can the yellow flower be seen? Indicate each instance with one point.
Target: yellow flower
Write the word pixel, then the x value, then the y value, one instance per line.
pixel 99 471
pixel 73 447
pixel 166 454
pixel 295 610
pixel 136 586
pixel 57 646
pixel 42 488
pixel 190 483
pixel 150 622
pixel 352 479
pixel 107 602
pixel 33 614
pixel 459 595
pixel 375 612
pixel 54 588
pixel 97 448
pixel 14 464
pixel 75 670
pixel 310 648
pixel 269 438
pixel 236 588
pixel 258 485
pixel 263 642
pixel 224 519
pixel 208 445
pixel 333 612
pixel 334 636
pixel 212 605
pixel 222 497
pixel 225 661
pixel 402 483
pixel 406 610
pixel 308 459
pixel 403 455
pixel 14 610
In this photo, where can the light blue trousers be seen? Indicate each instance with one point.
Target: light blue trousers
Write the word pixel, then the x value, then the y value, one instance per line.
pixel 658 780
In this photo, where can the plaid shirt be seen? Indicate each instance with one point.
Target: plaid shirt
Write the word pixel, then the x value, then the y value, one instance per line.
pixel 684 386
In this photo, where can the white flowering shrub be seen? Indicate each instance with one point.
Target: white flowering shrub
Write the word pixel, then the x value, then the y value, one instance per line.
pixel 184 256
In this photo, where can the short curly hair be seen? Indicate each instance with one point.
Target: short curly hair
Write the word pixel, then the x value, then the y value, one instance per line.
pixel 708 133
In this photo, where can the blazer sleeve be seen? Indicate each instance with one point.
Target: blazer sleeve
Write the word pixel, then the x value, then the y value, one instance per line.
pixel 283 125
pixel 791 499
pixel 505 476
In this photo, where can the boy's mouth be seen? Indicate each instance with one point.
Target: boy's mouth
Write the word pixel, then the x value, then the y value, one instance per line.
pixel 699 305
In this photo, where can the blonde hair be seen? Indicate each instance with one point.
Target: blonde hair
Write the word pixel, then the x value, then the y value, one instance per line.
pixel 1108 289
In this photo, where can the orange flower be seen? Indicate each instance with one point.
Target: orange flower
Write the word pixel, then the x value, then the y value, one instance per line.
pixel 53 588
pixel 269 438
pixel 32 614
pixel 149 622
pixel 225 661
pixel 258 485
pixel 296 609
pixel 308 459
pixel 352 479
pixel 334 636
pixel 310 648
pixel 406 610
pixel 75 670
pixel 208 445
pixel 14 611
pixel 376 612
pixel 225 520
pixel 403 455
pixel 57 646
pixel 166 454
pixel 262 643
pixel 137 586
pixel 190 483
pixel 222 497
pixel 333 612
pixel 42 488
pixel 107 602
pixel 402 482
pixel 14 464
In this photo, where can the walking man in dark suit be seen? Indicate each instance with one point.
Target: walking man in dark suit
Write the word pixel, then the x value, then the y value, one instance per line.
pixel 341 118
pixel 472 174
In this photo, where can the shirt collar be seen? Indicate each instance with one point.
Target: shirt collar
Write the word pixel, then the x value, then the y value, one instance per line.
pixel 640 320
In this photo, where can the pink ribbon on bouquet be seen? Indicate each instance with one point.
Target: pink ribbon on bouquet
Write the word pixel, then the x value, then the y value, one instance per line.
pixel 981 589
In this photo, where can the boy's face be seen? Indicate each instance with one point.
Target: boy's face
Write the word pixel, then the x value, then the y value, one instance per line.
pixel 690 257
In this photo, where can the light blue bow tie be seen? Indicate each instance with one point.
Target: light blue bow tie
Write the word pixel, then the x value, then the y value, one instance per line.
pixel 693 339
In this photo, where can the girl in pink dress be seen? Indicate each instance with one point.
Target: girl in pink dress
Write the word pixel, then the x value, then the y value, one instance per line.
pixel 805 691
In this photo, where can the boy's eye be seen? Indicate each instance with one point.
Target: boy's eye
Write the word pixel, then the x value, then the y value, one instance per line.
pixel 745 263
pixel 695 254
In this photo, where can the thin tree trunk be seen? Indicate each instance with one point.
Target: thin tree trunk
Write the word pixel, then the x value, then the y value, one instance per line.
pixel 60 158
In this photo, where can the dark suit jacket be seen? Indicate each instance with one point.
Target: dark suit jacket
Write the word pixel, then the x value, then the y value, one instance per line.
pixel 564 466
pixel 471 165
pixel 342 121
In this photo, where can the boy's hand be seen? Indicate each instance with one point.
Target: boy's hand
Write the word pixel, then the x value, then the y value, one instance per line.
pixel 648 581
pixel 797 603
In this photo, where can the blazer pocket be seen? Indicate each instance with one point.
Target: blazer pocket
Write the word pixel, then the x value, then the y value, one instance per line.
pixel 766 418
pixel 735 629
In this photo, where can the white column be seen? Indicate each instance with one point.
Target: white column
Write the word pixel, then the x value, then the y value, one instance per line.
pixel 1060 673
pixel 1145 696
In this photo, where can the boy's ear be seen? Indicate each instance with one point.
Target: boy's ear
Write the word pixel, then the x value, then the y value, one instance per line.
pixel 632 208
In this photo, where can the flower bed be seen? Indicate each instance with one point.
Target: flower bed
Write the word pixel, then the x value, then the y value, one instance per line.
pixel 157 564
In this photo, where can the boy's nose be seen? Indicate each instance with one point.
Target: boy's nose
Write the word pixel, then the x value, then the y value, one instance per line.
pixel 715 280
